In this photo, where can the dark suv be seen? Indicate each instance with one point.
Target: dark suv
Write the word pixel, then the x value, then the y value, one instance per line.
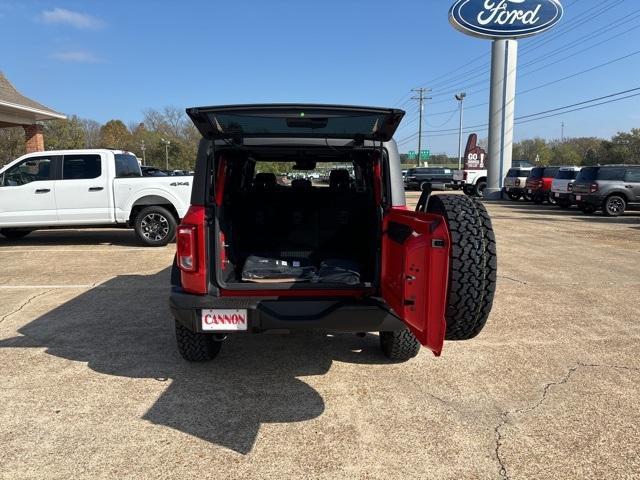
pixel 611 187
pixel 428 177
pixel 257 252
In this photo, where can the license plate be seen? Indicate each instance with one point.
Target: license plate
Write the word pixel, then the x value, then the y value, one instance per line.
pixel 578 197
pixel 557 195
pixel 224 320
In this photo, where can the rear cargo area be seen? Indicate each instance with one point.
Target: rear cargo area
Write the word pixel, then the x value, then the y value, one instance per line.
pixel 313 228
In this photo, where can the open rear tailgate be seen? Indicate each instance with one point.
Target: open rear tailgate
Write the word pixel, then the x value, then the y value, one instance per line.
pixel 296 121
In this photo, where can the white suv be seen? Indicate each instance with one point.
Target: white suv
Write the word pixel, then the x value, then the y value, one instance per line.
pixel 562 186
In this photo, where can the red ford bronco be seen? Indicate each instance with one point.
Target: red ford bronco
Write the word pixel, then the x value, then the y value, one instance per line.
pixel 298 220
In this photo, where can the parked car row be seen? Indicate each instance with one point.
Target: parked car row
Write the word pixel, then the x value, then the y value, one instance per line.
pixel 611 188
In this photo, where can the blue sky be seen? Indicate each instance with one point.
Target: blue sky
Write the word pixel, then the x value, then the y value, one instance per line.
pixel 113 59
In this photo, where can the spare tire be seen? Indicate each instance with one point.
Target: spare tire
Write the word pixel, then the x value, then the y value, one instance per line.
pixel 472 266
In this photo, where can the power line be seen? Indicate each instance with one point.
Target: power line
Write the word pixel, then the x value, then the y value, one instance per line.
pixel 575 107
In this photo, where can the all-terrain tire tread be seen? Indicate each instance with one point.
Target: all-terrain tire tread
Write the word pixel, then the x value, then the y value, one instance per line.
pixel 473 264
pixel 194 346
pixel 399 346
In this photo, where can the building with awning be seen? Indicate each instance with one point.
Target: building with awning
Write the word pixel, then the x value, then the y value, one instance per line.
pixel 16 110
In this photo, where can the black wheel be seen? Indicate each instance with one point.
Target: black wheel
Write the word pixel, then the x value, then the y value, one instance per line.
pixel 14 233
pixel 587 209
pixel 196 347
pixel 468 190
pixel 527 197
pixel 479 190
pixel 155 226
pixel 399 346
pixel 514 196
pixel 551 199
pixel 614 206
pixel 425 187
pixel 472 267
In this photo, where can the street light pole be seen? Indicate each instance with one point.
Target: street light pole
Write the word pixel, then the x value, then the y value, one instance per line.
pixel 460 97
pixel 144 158
pixel 166 152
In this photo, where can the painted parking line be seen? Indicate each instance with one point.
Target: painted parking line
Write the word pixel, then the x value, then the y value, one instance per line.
pixel 76 250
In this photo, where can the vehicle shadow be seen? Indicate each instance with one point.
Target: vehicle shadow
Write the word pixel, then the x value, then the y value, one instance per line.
pixel 113 236
pixel 124 328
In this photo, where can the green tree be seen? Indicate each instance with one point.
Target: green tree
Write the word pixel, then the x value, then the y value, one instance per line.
pixel 11 144
pixel 63 134
pixel 115 134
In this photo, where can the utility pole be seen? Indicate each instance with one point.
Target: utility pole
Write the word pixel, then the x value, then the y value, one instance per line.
pixel 460 97
pixel 166 151
pixel 562 134
pixel 144 158
pixel 421 98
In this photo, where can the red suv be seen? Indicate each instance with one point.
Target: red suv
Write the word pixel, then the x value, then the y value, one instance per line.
pixel 299 221
pixel 538 186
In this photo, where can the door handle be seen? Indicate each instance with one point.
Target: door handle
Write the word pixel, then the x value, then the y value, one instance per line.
pixel 96 189
pixel 43 190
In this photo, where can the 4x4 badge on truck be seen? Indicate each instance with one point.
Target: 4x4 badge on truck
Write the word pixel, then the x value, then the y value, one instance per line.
pixel 179 184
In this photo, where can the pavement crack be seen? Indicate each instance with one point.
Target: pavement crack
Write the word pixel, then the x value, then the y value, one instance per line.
pixel 513 279
pixel 24 304
pixel 504 416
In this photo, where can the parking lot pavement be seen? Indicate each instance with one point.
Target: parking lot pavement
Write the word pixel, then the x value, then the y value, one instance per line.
pixel 91 385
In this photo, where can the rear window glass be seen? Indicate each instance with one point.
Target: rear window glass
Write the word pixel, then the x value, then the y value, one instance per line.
pixel 567 175
pixel 516 172
pixel 611 173
pixel 588 174
pixel 536 173
pixel 551 172
pixel 127 166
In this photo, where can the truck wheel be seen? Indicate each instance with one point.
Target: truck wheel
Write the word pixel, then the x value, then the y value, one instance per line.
pixel 479 189
pixel 14 233
pixel 472 266
pixel 194 346
pixel 551 199
pixel 155 226
pixel 514 196
pixel 399 346
pixel 468 190
pixel 614 206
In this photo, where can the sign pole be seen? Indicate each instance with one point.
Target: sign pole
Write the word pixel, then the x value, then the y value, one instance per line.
pixel 504 62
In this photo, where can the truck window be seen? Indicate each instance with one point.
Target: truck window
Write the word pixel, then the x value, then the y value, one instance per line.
pixel 567 174
pixel 81 167
pixel 30 170
pixel 633 175
pixel 127 166
pixel 588 174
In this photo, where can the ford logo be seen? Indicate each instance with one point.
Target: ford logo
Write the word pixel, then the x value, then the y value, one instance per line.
pixel 505 18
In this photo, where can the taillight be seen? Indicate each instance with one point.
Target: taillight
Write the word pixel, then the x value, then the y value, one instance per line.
pixel 570 187
pixel 593 187
pixel 517 182
pixel 465 175
pixel 186 243
pixel 191 258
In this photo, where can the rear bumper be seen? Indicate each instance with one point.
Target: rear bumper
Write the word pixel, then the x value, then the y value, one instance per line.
pixel 562 196
pixel 587 199
pixel 340 315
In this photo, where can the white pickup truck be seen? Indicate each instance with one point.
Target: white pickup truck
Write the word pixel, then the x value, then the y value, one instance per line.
pixel 90 188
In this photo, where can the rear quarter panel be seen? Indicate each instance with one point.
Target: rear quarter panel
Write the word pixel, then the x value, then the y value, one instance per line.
pixel 128 191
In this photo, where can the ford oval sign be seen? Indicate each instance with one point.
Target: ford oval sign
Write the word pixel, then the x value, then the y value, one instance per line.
pixel 505 18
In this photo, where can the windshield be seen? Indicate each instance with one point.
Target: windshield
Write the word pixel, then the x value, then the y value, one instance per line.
pixel 567 175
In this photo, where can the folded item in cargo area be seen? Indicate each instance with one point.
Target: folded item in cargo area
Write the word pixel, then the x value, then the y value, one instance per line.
pixel 272 270
pixel 335 270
